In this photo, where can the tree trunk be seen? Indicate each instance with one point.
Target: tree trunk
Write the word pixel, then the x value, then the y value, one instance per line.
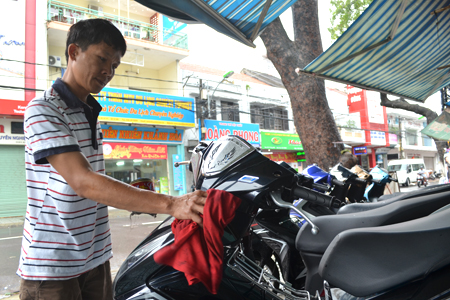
pixel 312 116
pixel 426 112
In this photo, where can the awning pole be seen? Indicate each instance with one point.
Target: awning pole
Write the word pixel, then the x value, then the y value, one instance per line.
pixel 208 9
pixel 388 39
pixel 260 20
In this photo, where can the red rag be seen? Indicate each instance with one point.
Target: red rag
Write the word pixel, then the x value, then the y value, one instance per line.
pixel 199 253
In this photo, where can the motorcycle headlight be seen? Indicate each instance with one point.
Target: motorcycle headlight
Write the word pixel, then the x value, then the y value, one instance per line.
pixel 140 293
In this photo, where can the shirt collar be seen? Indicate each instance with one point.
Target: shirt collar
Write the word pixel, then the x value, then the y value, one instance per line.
pixel 71 100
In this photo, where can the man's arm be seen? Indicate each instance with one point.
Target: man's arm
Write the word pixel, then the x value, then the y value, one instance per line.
pixel 76 170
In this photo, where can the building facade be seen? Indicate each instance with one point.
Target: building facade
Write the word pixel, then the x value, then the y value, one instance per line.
pixel 144 116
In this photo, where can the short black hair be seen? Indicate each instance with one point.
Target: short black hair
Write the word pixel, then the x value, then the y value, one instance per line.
pixel 94 31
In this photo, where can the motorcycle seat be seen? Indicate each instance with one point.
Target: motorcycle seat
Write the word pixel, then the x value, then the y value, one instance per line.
pixel 371 260
pixel 388 199
pixel 392 213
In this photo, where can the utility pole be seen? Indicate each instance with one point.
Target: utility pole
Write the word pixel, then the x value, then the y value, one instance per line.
pixel 200 109
pixel 400 142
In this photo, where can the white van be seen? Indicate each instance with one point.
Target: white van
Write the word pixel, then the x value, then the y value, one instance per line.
pixel 406 169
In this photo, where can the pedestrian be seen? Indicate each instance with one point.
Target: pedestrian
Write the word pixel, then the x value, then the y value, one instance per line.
pixel 66 243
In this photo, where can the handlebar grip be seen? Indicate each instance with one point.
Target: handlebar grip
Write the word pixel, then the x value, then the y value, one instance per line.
pixel 334 181
pixel 321 187
pixel 314 197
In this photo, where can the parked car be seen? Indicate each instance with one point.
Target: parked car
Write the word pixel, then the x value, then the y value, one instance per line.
pixel 406 169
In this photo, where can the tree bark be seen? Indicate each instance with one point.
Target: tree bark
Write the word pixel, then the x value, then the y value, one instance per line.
pixel 426 112
pixel 312 116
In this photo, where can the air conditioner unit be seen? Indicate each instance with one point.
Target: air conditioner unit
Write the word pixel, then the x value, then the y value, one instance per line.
pixel 54 61
pixel 96 8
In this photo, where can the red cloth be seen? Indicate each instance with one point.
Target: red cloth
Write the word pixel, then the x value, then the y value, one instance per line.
pixel 197 252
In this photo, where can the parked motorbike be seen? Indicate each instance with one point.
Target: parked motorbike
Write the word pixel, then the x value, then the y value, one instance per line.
pixel 267 190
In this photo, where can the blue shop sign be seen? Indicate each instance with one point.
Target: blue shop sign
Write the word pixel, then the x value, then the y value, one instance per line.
pixel 359 150
pixel 216 129
pixel 120 105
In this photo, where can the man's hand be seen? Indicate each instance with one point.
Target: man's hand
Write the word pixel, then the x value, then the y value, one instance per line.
pixel 189 206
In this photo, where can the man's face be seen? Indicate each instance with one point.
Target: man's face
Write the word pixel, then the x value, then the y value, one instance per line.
pixel 95 67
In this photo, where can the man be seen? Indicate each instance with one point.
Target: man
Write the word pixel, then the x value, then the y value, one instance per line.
pixel 424 175
pixel 66 243
pixel 347 159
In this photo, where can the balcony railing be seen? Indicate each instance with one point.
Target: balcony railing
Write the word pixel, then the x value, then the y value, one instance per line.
pixel 70 14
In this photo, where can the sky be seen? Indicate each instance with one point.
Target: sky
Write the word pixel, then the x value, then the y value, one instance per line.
pixel 208 47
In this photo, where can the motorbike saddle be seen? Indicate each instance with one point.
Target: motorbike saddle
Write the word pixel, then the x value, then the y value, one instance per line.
pixel 391 213
pixel 370 260
pixel 312 247
pixel 388 199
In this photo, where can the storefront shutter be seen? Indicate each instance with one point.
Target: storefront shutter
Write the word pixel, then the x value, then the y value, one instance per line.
pixel 13 188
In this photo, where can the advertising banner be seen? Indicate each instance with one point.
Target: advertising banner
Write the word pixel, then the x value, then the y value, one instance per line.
pixel 134 151
pixel 378 138
pixel 280 141
pixel 120 105
pixel 216 129
pixel 143 134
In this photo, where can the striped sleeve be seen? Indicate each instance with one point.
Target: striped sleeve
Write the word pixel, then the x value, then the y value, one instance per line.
pixel 46 131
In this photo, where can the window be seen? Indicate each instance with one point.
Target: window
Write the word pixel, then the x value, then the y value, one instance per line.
pixel 411 138
pixel 416 167
pixel 270 117
pixel 230 111
pixel 426 141
pixel 17 127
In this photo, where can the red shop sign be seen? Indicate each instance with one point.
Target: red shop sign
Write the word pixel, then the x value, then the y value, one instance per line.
pixel 134 151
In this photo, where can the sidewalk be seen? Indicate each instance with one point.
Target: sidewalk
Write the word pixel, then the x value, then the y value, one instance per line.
pixel 126 232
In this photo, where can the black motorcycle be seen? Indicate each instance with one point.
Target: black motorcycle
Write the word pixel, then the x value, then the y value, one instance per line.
pixel 267 190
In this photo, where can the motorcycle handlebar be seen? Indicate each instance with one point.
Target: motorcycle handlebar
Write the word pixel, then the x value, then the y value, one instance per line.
pixel 315 197
pixel 321 187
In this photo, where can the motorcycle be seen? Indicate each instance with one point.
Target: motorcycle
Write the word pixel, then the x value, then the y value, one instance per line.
pixel 421 180
pixel 267 190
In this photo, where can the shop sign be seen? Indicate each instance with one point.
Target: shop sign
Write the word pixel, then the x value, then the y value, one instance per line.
pixel 288 157
pixel 7 137
pixel 120 105
pixel 178 173
pixel 359 150
pixel 280 141
pixel 393 139
pixel 378 138
pixel 12 107
pixel 142 134
pixel 134 151
pixel 216 129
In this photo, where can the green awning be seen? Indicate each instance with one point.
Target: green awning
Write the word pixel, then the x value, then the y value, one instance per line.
pixel 439 128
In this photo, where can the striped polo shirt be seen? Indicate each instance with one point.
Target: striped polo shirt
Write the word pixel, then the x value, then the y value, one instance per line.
pixel 64 234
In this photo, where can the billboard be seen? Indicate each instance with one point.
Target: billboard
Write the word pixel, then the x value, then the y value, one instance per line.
pixel 12 49
pixel 280 141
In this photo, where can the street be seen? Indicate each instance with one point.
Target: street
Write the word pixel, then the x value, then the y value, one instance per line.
pixel 126 233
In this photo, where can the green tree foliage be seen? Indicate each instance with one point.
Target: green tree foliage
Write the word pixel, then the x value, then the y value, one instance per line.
pixel 343 13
